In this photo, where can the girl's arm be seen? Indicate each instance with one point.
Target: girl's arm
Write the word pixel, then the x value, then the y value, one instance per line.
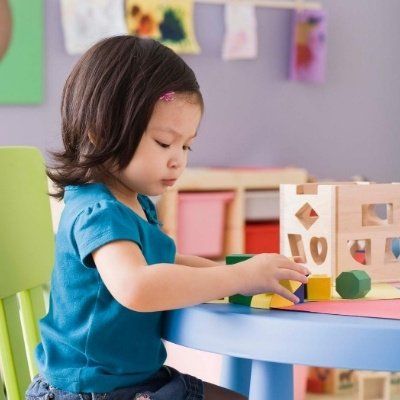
pixel 159 287
pixel 194 261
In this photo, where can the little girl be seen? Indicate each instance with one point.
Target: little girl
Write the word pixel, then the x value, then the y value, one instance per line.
pixel 130 112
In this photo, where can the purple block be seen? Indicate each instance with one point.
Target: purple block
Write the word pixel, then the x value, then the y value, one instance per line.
pixel 300 293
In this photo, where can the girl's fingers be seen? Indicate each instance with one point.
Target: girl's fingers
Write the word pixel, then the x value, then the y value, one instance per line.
pixel 288 264
pixel 283 273
pixel 299 259
pixel 287 294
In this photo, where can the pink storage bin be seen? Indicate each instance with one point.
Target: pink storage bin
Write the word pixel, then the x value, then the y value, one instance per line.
pixel 300 376
pixel 201 219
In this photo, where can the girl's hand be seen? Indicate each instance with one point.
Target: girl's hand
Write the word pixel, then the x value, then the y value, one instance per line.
pixel 262 273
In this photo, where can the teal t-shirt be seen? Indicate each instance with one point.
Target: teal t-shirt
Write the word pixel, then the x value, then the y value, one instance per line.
pixel 90 342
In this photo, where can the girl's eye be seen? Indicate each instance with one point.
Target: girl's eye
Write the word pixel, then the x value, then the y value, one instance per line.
pixel 163 145
pixel 187 148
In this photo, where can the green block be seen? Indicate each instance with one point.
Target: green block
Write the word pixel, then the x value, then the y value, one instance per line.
pixel 240 299
pixel 353 284
pixel 235 258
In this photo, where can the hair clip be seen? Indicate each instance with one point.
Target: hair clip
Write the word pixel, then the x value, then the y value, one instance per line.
pixel 169 96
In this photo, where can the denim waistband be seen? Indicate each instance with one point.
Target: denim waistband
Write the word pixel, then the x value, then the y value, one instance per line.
pixel 165 384
pixel 41 389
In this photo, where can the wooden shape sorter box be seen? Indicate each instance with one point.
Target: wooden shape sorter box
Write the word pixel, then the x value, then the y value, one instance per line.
pixel 329 224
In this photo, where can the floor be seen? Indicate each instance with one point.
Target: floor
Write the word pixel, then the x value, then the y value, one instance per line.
pixel 353 396
pixel 311 396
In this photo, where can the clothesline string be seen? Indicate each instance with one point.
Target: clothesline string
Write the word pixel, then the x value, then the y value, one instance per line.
pixel 295 4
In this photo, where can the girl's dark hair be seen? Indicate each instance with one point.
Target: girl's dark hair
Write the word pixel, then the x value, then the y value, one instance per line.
pixel 107 103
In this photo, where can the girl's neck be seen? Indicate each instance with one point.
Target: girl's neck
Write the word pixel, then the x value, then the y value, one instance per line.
pixel 122 192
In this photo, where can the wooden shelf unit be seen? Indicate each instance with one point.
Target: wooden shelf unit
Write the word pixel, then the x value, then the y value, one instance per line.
pixel 217 179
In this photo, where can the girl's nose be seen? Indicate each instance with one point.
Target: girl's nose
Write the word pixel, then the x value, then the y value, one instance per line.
pixel 177 160
pixel 173 163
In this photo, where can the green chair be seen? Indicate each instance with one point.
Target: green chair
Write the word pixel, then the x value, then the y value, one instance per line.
pixel 26 260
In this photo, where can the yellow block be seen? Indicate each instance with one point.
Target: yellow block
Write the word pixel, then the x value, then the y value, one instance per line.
pixel 319 287
pixel 290 285
pixel 279 301
pixel 261 300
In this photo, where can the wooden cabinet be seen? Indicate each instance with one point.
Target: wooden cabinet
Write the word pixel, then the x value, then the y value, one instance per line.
pixel 239 181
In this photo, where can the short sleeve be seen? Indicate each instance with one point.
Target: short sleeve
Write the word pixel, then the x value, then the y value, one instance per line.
pixel 102 223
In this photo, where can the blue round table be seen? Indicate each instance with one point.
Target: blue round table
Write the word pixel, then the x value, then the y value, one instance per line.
pixel 261 346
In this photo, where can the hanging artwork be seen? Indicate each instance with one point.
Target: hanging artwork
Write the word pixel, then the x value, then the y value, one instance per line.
pixel 308 50
pixel 21 51
pixel 240 40
pixel 170 22
pixel 6 27
pixel 87 22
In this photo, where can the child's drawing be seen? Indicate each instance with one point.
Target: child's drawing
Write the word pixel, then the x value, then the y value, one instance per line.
pixel 308 53
pixel 169 22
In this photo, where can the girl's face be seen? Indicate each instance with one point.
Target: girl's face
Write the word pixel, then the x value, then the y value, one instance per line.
pixel 162 154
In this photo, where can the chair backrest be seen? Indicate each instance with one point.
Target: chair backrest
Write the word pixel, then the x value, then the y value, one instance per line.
pixel 26 260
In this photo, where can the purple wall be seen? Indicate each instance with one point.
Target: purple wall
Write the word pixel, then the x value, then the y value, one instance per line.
pixel 254 115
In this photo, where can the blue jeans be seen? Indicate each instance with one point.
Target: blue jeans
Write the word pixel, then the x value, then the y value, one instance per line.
pixel 166 384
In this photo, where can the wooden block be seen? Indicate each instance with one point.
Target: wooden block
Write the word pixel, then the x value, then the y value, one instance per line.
pixel 235 258
pixel 240 299
pixel 290 285
pixel 353 284
pixel 279 301
pixel 300 293
pixel 264 300
pixel 261 301
pixel 319 287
